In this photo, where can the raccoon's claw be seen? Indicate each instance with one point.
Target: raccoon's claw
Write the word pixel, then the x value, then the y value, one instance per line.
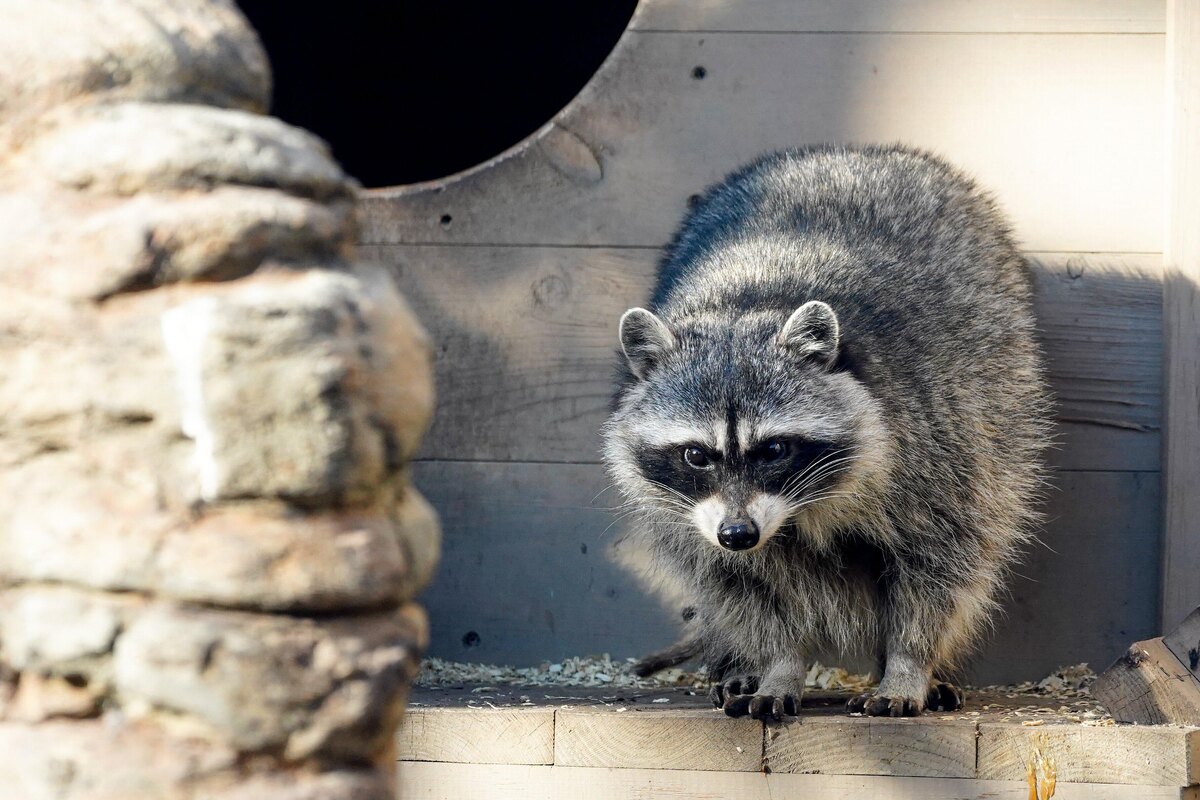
pixel 731 688
pixel 944 697
pixel 876 705
pixel 772 708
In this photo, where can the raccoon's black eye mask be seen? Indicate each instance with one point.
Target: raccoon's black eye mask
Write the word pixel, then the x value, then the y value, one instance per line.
pixel 774 465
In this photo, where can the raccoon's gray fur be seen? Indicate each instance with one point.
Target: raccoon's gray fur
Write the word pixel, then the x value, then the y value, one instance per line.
pixel 831 420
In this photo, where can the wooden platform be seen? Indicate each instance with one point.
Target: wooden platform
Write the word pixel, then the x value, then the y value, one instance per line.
pixel 553 742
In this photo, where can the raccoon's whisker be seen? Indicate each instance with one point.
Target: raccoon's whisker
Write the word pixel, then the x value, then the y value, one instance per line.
pixel 602 491
pixel 813 470
pixel 689 502
pixel 808 501
pixel 815 476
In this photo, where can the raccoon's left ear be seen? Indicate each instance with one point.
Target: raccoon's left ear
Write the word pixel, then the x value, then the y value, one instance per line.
pixel 645 339
pixel 811 332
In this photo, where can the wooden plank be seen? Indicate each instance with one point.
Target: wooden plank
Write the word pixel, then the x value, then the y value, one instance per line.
pixel 1149 685
pixel 1181 322
pixel 687 739
pixel 617 165
pixel 504 523
pixel 1119 754
pixel 1012 16
pixel 429 781
pixel 1184 643
pixel 921 748
pixel 527 338
pixel 477 735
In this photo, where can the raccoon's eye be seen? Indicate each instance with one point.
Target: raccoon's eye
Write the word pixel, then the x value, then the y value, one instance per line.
pixel 770 451
pixel 695 458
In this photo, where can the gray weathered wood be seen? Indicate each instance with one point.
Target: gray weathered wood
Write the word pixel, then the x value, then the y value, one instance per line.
pixel 426 781
pixel 1009 109
pixel 1184 642
pixel 477 735
pixel 514 571
pixel 527 341
pixel 1119 754
pixel 924 748
pixel 1181 323
pixel 1149 685
pixel 1019 16
pixel 688 739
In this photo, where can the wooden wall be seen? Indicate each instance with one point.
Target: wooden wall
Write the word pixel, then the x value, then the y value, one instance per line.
pixel 521 267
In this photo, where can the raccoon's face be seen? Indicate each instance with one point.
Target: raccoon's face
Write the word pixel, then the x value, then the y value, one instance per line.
pixel 740 428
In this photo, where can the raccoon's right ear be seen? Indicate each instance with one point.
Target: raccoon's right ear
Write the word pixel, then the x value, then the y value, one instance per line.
pixel 645 340
pixel 811 332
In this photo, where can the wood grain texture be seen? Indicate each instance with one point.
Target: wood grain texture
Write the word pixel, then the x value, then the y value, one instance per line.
pixel 1015 16
pixel 477 735
pixel 1149 685
pixel 524 565
pixel 922 748
pixel 527 339
pixel 696 739
pixel 1121 754
pixel 1008 109
pixel 1181 322
pixel 427 781
pixel 1184 642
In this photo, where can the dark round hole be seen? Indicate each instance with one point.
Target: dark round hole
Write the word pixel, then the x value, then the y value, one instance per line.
pixel 471 639
pixel 412 91
pixel 699 72
pixel 693 200
pixel 583 549
pixel 446 220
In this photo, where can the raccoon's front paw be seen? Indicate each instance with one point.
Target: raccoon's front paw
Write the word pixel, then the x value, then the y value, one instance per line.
pixel 878 705
pixel 944 697
pixel 736 697
pixel 730 689
pixel 766 707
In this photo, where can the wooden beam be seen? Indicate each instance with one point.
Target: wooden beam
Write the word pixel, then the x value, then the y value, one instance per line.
pixel 926 747
pixel 1149 685
pixel 687 739
pixel 1146 755
pixel 1181 320
pixel 904 16
pixel 478 735
pixel 428 781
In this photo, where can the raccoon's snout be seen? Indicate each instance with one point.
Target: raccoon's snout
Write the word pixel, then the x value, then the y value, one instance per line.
pixel 738 534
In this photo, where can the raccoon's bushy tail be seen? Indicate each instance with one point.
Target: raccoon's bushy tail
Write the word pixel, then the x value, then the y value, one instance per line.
pixel 684 650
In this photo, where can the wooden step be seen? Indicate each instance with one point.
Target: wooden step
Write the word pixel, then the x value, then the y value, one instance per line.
pixel 540 741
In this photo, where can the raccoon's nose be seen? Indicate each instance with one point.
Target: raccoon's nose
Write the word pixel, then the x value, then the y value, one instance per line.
pixel 738 534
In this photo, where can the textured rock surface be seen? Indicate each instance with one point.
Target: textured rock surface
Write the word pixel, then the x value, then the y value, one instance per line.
pixel 208 542
pixel 267 683
pixel 200 51
pixel 134 147
pixel 154 240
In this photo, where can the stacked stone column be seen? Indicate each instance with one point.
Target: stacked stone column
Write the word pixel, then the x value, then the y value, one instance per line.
pixel 208 544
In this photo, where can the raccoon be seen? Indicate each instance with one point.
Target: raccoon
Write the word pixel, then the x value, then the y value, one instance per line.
pixel 830 422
